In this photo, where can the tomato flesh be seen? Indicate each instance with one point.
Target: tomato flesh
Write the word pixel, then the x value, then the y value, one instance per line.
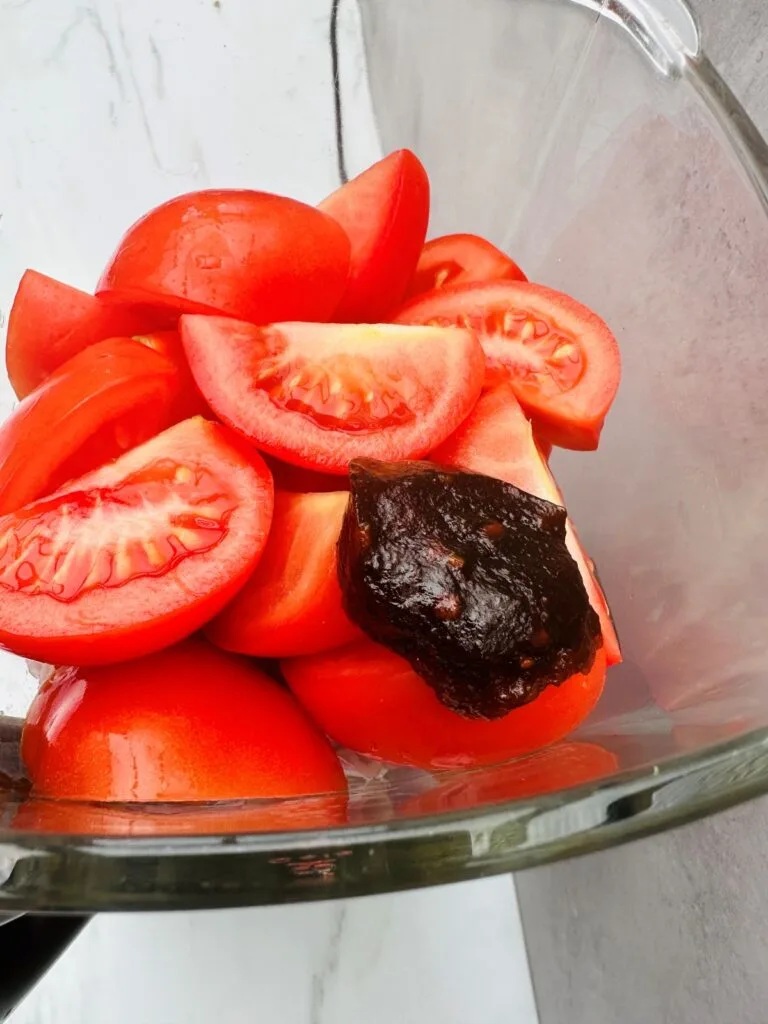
pixel 188 723
pixel 105 400
pixel 137 554
pixel 247 254
pixel 552 770
pixel 385 212
pixel 50 322
pixel 497 440
pixel 320 395
pixel 292 603
pixel 453 260
pixel 559 357
pixel 369 699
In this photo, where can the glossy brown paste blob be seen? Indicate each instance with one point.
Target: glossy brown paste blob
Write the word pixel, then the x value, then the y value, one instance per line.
pixel 468 578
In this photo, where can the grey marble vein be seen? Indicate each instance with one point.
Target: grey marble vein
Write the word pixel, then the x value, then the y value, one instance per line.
pixel 88 16
pixel 328 968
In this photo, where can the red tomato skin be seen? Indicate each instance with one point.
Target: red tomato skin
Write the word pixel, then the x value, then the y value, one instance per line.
pixel 303 481
pixel 553 770
pixel 190 402
pixel 229 360
pixel 152 611
pixel 385 213
pixel 50 322
pixel 110 397
pixel 454 260
pixel 572 416
pixel 370 700
pixel 189 723
pixel 150 820
pixel 292 603
pixel 498 440
pixel 242 253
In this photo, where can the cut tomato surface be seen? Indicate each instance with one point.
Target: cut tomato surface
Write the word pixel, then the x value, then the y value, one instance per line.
pixel 292 603
pixel 189 723
pixel 453 260
pixel 50 322
pixel 247 254
pixel 107 399
pixel 561 359
pixel 385 212
pixel 137 554
pixel 320 395
pixel 497 440
pixel 369 699
pixel 552 770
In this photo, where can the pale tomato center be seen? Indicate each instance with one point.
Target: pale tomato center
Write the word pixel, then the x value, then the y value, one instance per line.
pixel 528 348
pixel 339 390
pixel 101 538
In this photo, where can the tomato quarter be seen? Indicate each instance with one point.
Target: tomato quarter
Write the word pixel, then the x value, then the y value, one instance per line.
pixel 548 771
pixel 497 440
pixel 292 603
pixel 369 699
pixel 189 723
pixel 320 395
pixel 50 322
pixel 102 402
pixel 453 260
pixel 137 554
pixel 247 254
pixel 560 358
pixel 385 212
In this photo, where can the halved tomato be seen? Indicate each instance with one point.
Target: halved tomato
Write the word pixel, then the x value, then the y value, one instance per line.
pixel 247 254
pixel 105 400
pixel 50 322
pixel 369 699
pixel 453 260
pixel 188 723
pixel 320 395
pixel 497 439
pixel 385 212
pixel 213 817
pixel 557 768
pixel 137 554
pixel 560 358
pixel 292 603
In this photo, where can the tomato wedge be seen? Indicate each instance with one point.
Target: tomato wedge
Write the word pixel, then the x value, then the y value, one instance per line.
pixel 50 322
pixel 292 603
pixel 212 817
pixel 168 343
pixel 369 699
pixel 497 440
pixel 320 395
pixel 547 771
pixel 385 212
pixel 247 254
pixel 136 555
pixel 189 723
pixel 560 358
pixel 453 260
pixel 102 402
pixel 303 481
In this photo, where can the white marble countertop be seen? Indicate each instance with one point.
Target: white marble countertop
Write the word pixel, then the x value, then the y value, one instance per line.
pixel 440 956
